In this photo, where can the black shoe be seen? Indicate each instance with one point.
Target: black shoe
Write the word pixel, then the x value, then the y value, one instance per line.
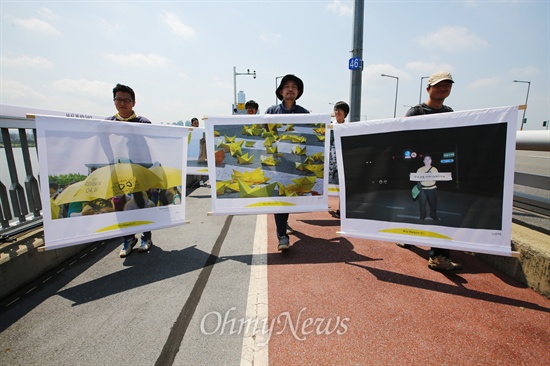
pixel 284 244
pixel 404 246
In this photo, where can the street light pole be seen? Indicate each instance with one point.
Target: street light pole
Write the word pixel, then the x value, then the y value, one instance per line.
pixel 276 85
pixel 526 98
pixel 420 97
pixel 235 73
pixel 396 90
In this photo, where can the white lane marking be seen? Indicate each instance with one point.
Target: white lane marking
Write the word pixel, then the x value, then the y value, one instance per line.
pixel 256 346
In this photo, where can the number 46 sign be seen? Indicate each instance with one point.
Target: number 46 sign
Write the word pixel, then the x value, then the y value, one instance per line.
pixel 355 63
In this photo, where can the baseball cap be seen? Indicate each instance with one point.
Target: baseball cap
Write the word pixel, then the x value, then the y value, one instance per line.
pixel 439 76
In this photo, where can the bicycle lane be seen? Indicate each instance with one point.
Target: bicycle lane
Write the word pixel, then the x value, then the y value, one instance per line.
pixel 335 300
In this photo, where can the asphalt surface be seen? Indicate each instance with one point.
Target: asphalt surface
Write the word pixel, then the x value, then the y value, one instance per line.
pixel 328 300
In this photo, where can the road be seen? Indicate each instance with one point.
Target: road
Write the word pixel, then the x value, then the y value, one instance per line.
pixel 533 162
pixel 328 300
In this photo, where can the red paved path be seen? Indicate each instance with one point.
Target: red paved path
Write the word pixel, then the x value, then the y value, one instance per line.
pixel 398 310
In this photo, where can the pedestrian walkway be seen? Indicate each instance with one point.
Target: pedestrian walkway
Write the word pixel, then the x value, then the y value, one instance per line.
pixel 397 310
pixel 328 300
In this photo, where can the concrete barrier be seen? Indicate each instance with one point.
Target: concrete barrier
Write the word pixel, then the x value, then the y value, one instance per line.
pixel 23 261
pixel 532 267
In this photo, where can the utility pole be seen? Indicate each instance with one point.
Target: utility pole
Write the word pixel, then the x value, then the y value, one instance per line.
pixel 357 52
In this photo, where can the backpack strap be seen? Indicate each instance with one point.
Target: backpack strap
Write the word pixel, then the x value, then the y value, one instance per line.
pixel 418 110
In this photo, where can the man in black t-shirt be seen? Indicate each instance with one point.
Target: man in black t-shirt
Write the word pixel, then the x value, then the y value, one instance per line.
pixel 125 100
pixel 439 88
pixel 289 91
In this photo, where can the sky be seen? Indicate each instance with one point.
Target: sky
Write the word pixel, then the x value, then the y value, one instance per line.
pixel 180 56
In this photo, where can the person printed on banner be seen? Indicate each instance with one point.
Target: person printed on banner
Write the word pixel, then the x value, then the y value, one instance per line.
pixel 139 200
pixel 428 193
pixel 54 190
pixel 153 194
pixel 54 208
pixel 97 206
pixel 163 201
pixel 120 201
pixel 173 196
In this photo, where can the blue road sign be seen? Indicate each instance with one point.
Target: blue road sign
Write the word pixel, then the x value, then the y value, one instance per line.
pixel 354 63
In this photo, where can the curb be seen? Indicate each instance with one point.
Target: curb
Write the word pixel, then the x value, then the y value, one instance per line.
pixel 532 268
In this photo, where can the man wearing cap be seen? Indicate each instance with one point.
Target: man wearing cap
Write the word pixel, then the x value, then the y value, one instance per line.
pixel 439 88
pixel 290 89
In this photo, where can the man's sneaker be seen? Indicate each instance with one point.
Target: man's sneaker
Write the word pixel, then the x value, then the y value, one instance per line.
pixel 127 246
pixel 284 244
pixel 402 245
pixel 145 245
pixel 289 230
pixel 442 263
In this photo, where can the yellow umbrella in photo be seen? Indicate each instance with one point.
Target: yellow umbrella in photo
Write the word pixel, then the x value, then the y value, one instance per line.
pixel 118 179
pixel 171 177
pixel 69 194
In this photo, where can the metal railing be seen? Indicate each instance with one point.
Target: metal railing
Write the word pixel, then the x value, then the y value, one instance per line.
pixel 19 200
pixel 20 205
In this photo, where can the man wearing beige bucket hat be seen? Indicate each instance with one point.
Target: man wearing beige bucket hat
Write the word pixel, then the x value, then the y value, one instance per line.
pixel 439 88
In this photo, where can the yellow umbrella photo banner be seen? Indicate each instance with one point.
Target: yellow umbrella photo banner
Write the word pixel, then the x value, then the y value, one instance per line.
pixel 99 164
